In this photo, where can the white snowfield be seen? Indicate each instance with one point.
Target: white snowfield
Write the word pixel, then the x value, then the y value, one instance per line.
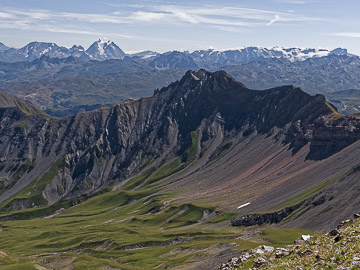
pixel 243 205
pixel 292 54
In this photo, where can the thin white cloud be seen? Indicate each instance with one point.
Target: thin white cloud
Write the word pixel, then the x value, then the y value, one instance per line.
pixel 276 18
pixel 147 16
pixel 229 15
pixel 4 15
pixel 232 29
pixel 84 32
pixel 297 2
pixel 346 34
pixel 220 17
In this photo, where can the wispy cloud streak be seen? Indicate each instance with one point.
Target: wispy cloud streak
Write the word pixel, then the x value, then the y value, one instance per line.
pixel 346 34
pixel 276 18
pixel 233 19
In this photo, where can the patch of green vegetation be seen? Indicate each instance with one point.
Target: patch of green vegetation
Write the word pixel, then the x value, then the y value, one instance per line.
pixel 26 167
pixel 224 148
pixel 29 109
pixel 40 211
pixel 194 147
pixel 60 189
pixel 282 237
pixel 88 262
pixel 189 214
pixel 33 191
pixel 17 266
pixel 10 261
pixel 2 166
pixel 86 183
pixel 327 209
pixel 100 161
pixel 313 190
pixel 165 171
pixel 226 216
pixel 335 112
pixel 148 162
pixel 23 125
pixel 139 179
pixel 3 184
pixel 107 201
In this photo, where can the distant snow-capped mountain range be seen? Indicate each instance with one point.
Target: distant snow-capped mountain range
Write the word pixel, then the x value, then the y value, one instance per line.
pixel 104 49
pixel 99 50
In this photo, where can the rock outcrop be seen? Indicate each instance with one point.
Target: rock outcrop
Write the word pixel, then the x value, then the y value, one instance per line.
pixel 338 249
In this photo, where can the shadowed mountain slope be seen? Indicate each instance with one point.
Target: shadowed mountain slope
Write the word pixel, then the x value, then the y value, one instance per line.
pixel 9 101
pixel 205 138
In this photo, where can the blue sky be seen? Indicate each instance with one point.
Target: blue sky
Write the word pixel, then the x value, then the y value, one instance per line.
pixel 183 25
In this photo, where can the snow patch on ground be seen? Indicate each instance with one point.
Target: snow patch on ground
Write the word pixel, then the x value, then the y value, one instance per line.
pixel 243 205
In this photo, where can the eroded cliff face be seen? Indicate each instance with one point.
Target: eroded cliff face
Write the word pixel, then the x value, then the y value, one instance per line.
pixel 44 160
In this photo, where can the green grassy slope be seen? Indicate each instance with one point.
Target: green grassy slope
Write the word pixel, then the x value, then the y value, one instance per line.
pixel 125 228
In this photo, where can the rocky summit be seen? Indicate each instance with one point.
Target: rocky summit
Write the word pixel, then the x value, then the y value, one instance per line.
pixel 203 151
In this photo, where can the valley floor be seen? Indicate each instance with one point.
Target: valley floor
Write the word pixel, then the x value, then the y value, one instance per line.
pixel 130 230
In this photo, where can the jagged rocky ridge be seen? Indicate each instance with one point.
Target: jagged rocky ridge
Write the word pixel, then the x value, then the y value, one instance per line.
pixel 194 118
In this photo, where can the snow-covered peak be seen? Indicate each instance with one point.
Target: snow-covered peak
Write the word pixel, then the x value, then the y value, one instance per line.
pixel 299 54
pixel 35 50
pixel 143 54
pixel 104 41
pixel 247 54
pixel 104 49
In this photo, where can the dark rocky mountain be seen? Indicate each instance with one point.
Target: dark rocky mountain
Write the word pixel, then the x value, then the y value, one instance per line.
pixel 173 59
pixel 206 136
pixel 3 47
